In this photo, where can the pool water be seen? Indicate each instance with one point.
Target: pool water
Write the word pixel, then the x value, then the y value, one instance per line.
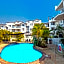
pixel 20 53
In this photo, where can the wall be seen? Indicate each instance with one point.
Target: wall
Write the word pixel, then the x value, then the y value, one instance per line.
pixel 55 40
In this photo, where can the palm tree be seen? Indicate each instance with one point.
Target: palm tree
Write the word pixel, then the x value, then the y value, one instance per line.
pixel 59 30
pixel 40 30
pixel 36 30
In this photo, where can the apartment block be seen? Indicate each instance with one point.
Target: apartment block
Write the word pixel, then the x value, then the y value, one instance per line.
pixel 60 16
pixel 58 19
pixel 29 27
pixel 19 26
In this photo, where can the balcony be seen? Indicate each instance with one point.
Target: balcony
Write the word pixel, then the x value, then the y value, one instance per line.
pixel 60 6
pixel 16 30
pixel 16 27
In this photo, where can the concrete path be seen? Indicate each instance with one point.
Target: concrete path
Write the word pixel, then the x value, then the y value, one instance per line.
pixel 55 57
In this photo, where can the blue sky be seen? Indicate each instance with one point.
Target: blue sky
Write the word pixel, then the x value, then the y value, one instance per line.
pixel 23 10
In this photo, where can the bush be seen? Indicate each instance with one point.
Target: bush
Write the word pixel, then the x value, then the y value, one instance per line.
pixel 42 43
pixel 14 39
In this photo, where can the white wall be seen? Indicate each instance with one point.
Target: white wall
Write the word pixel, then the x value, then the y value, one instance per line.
pixel 55 40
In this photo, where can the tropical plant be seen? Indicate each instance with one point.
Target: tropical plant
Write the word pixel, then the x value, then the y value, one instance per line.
pixel 36 30
pixel 4 35
pixel 1 35
pixel 40 31
pixel 59 30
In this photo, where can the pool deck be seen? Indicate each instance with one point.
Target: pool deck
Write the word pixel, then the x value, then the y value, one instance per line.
pixel 55 58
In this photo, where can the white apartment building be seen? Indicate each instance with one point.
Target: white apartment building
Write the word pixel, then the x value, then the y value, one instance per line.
pixel 3 26
pixel 52 24
pixel 20 26
pixel 60 17
pixel 29 27
pixel 31 23
pixel 16 26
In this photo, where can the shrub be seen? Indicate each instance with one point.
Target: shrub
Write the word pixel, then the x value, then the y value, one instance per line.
pixel 42 43
pixel 14 39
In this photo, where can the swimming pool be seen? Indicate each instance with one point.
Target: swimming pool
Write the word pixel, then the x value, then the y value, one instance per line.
pixel 20 53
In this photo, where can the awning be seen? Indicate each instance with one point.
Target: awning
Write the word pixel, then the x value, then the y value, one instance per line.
pixel 59 17
pixel 13 34
pixel 54 21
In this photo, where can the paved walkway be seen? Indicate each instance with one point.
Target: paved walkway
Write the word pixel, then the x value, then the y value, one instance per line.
pixel 55 57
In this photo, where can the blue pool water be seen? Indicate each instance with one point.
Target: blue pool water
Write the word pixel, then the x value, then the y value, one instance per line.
pixel 20 53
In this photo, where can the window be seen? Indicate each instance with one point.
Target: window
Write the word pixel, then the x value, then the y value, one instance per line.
pixel 18 26
pixel 52 28
pixel 13 30
pixel 26 36
pixel 23 29
pixel 22 24
pixel 6 27
pixel 30 28
pixel 2 26
pixel 27 28
pixel 9 25
pixel 31 24
pixel 53 23
pixel 37 21
pixel 60 21
pixel 13 26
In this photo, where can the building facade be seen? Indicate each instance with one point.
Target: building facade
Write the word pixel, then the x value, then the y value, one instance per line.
pixel 29 27
pixel 23 27
pixel 58 19
pixel 60 16
pixel 3 26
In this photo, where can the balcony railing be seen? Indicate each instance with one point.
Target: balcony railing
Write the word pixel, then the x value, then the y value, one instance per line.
pixel 16 26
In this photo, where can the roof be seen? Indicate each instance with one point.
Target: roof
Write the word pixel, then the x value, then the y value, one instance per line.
pixel 59 16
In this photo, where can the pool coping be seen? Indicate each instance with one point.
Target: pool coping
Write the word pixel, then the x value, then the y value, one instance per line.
pixel 43 54
pixel 34 62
